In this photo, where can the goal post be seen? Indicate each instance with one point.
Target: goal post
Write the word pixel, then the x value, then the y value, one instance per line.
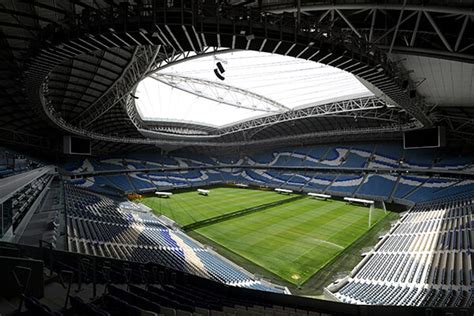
pixel 371 210
pixel 371 204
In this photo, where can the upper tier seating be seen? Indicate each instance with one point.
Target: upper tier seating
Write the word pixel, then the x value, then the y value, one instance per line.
pixel 12 163
pixel 340 175
pixel 377 186
pixel 345 184
pixel 411 188
pixel 363 155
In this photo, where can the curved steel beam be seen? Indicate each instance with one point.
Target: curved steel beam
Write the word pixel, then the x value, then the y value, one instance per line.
pixel 143 59
pixel 370 6
pixel 199 87
pixel 370 107
pixel 453 42
pixel 328 109
pixel 167 62
pixel 221 31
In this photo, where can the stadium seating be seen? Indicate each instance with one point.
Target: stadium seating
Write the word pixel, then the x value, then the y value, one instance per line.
pixel 425 260
pixel 426 256
pixel 274 169
pixel 430 187
pixel 345 184
pixel 109 286
pixel 12 163
pixel 407 184
pixel 141 182
pixel 121 182
pixel 320 182
pixel 18 201
pixel 99 226
pixel 195 159
pixel 446 160
pixel 377 186
pixel 363 155
pixel 419 158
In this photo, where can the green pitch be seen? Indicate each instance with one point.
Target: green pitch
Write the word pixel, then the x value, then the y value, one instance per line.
pixel 294 240
pixel 189 207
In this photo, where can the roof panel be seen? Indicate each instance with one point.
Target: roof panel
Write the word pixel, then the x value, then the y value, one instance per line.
pixel 254 84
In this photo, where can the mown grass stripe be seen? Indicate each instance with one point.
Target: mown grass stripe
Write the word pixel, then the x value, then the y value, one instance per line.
pixel 295 239
pixel 286 240
pixel 189 207
pixel 239 213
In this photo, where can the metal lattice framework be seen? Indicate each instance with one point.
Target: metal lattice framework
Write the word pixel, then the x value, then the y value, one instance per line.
pixel 23 139
pixel 143 60
pixel 87 57
pixel 221 93
pixel 174 50
pixel 368 105
pixel 459 122
pixel 394 128
pixel 437 30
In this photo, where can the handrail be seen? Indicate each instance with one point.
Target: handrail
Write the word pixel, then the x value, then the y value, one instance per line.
pixel 51 257
pixel 62 275
pixel 24 285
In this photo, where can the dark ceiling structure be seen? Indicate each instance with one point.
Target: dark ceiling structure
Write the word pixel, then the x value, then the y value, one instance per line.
pixel 69 67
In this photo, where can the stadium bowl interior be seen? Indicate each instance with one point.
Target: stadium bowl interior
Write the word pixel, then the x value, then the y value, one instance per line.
pixel 236 157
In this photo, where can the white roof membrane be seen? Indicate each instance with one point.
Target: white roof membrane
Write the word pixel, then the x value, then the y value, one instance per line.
pixel 284 81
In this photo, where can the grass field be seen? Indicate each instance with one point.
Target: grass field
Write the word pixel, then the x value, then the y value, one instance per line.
pixel 189 207
pixel 292 241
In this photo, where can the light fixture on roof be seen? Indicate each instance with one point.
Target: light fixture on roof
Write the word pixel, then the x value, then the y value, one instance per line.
pixel 111 30
pixel 239 86
pixel 142 30
pixel 134 96
pixel 250 37
pixel 219 71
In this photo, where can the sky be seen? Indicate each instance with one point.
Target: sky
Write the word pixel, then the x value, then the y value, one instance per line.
pixel 264 84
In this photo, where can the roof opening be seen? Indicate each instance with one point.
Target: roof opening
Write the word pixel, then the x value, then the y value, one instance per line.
pixel 221 89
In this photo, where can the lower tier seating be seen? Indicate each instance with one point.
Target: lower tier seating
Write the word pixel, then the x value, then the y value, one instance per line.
pixel 425 260
pixel 99 226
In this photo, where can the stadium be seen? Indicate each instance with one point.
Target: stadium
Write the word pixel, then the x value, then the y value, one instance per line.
pixel 236 157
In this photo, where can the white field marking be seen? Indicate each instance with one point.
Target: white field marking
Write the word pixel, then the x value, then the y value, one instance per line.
pixel 327 242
